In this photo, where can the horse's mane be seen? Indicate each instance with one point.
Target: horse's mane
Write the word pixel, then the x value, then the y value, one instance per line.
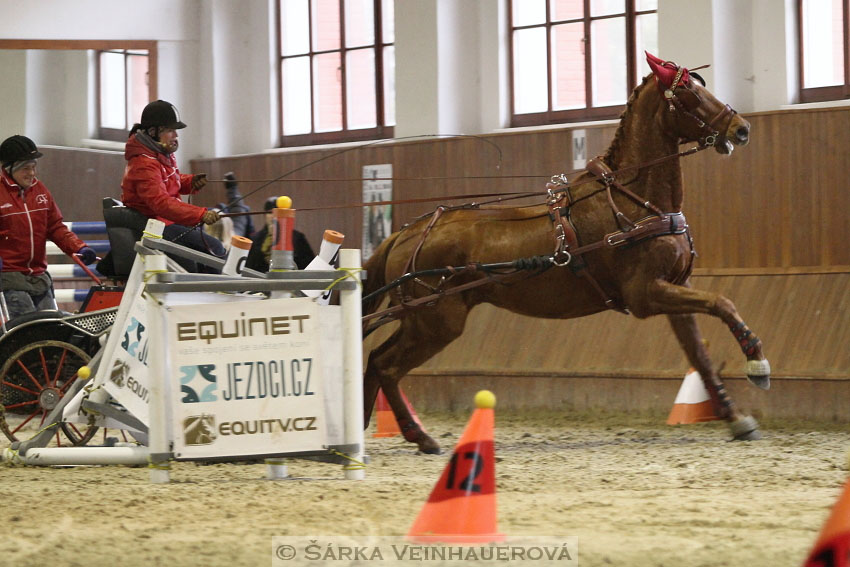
pixel 618 136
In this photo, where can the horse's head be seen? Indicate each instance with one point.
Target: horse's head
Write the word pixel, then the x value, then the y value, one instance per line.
pixel 697 114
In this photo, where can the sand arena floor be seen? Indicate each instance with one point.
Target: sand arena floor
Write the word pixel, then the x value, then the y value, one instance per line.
pixel 633 490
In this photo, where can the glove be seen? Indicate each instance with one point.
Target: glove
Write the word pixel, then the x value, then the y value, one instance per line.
pixel 87 255
pixel 199 180
pixel 210 216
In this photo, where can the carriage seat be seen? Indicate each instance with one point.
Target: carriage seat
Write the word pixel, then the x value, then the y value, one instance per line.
pixel 124 227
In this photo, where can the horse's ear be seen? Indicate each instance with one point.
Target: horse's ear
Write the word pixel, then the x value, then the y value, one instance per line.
pixel 665 71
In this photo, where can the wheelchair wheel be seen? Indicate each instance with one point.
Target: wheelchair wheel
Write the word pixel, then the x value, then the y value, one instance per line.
pixel 32 381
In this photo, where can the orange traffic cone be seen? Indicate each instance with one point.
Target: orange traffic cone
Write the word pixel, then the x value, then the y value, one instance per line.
pixel 386 425
pixel 832 548
pixel 462 505
pixel 693 403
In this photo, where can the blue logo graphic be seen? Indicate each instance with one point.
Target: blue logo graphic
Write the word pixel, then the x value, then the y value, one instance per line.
pixel 198 378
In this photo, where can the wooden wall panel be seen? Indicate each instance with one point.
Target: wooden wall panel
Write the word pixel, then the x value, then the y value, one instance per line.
pixel 778 203
pixel 802 320
pixel 79 179
pixel 432 168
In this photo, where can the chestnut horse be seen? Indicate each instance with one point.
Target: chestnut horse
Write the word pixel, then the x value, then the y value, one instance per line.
pixel 617 245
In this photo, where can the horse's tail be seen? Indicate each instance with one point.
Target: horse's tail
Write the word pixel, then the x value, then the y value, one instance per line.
pixel 376 272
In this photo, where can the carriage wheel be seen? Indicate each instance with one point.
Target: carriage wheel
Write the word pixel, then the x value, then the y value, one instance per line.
pixel 32 381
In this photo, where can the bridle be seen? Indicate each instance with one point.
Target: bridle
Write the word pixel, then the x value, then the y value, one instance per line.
pixel 683 99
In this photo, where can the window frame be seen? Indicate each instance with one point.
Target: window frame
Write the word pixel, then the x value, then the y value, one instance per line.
pixel 116 134
pixel 833 92
pixel 551 116
pixel 94 45
pixel 381 130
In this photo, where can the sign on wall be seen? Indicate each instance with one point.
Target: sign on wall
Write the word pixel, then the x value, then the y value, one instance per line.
pixel 579 149
pixel 377 219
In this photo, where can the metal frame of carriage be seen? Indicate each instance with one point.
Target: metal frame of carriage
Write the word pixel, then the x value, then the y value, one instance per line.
pixel 93 330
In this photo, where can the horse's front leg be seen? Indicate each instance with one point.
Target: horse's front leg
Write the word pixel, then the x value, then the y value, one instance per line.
pixel 685 327
pixel 671 299
pixel 680 302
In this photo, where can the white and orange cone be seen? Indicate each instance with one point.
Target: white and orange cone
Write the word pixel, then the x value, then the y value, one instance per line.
pixel 693 403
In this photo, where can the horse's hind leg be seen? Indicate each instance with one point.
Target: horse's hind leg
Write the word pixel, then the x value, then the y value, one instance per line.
pixel 687 332
pixel 421 335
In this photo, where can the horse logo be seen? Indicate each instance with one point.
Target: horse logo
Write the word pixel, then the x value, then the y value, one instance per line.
pixel 199 429
pixel 119 372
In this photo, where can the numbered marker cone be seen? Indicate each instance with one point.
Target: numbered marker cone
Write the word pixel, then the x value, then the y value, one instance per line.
pixel 832 548
pixel 462 505
pixel 386 425
pixel 693 403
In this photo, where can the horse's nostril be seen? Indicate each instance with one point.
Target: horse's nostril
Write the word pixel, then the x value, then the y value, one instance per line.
pixel 742 133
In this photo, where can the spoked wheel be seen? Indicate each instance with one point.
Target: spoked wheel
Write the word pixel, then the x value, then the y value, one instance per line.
pixel 32 381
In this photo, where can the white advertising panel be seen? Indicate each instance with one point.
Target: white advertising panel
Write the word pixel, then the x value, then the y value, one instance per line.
pixel 128 381
pixel 248 378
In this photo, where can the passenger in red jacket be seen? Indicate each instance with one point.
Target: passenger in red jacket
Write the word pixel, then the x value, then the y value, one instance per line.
pixel 152 183
pixel 28 218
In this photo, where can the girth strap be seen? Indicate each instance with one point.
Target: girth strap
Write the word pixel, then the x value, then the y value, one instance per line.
pixel 568 252
pixel 567 247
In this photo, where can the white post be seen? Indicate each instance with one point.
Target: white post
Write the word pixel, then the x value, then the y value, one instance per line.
pixel 239 248
pixel 352 363
pixel 157 432
pixel 276 469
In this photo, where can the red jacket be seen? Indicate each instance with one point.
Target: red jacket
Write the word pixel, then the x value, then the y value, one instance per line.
pixel 152 185
pixel 28 217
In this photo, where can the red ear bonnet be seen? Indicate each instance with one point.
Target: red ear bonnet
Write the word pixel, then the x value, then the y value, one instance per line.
pixel 665 71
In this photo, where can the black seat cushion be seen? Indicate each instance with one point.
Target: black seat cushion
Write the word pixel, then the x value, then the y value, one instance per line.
pixel 124 227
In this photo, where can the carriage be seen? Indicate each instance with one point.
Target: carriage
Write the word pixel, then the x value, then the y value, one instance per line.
pixel 96 378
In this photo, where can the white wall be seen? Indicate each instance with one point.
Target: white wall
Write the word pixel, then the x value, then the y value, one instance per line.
pixel 750 45
pixel 13 119
pixel 240 77
pixel 416 68
pixel 99 19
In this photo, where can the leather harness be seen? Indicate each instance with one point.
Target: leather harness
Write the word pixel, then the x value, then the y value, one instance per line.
pixel 568 252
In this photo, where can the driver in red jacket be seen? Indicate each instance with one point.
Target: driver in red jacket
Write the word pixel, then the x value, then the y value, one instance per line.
pixel 28 218
pixel 152 183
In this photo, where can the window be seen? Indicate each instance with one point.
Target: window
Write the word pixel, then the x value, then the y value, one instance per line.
pixel 337 70
pixel 823 41
pixel 123 90
pixel 577 60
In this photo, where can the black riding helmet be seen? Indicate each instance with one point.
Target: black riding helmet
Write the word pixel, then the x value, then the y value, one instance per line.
pixel 18 148
pixel 161 113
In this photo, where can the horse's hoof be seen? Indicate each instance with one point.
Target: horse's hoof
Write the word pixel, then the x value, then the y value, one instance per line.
pixel 758 372
pixel 745 429
pixel 428 445
pixel 762 382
